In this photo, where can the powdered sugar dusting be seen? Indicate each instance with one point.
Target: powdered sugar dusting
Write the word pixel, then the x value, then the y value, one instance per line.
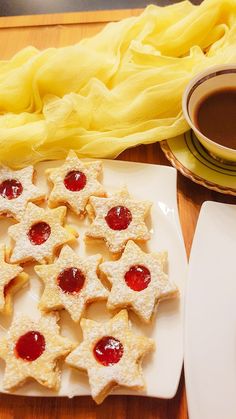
pixel 44 369
pixel 54 298
pixel 23 249
pixel 77 200
pixel 16 207
pixel 115 239
pixel 142 302
pixel 127 371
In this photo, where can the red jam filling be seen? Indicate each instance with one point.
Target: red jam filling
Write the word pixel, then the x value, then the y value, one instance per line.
pixel 71 280
pixel 118 218
pixel 39 233
pixel 75 181
pixel 11 189
pixel 108 351
pixel 30 346
pixel 138 277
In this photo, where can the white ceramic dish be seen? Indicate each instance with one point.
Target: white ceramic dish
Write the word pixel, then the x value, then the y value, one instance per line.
pixel 210 320
pixel 162 369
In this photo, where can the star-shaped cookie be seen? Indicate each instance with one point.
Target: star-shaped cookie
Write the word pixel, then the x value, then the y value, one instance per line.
pixel 74 182
pixel 138 281
pixel 31 349
pixel 117 219
pixel 12 278
pixel 71 283
pixel 111 354
pixel 16 190
pixel 39 234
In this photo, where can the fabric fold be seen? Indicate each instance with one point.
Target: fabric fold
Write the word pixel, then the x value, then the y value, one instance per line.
pixel 117 89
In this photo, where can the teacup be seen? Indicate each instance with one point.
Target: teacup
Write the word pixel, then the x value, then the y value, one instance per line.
pixel 205 85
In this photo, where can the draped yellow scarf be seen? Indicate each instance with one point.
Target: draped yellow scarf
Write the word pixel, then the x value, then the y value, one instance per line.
pixel 120 88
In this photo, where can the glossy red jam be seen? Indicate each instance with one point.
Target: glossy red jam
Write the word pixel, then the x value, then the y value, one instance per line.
pixel 30 346
pixel 71 280
pixel 118 218
pixel 11 189
pixel 138 277
pixel 108 351
pixel 75 181
pixel 39 233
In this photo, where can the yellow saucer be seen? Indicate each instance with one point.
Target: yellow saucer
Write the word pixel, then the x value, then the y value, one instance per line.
pixel 188 156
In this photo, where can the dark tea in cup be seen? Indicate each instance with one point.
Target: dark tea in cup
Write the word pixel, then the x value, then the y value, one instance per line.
pixel 215 117
pixel 209 106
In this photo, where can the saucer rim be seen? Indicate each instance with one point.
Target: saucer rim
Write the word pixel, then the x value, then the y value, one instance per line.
pixel 191 175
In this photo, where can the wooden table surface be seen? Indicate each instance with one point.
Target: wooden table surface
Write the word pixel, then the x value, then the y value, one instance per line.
pixel 59 30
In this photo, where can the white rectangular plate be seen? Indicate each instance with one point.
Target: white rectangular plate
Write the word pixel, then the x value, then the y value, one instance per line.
pixel 210 334
pixel 161 369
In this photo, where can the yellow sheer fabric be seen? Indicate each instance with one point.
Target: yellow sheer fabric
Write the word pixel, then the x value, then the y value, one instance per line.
pixel 120 88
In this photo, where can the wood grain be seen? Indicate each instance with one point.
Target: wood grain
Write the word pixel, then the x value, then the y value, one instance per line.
pixel 98 16
pixel 59 30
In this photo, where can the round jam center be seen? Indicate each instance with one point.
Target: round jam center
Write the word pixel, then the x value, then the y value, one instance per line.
pixel 39 233
pixel 71 280
pixel 108 351
pixel 75 181
pixel 11 189
pixel 118 218
pixel 138 277
pixel 30 346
